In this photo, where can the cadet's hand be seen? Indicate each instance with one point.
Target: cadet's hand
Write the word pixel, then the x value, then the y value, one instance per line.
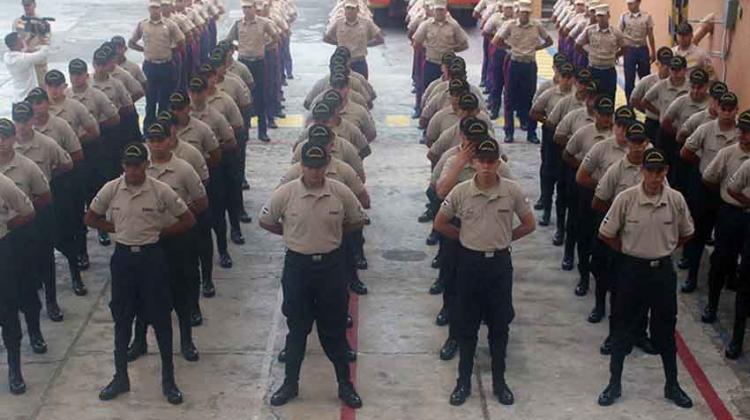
pixel 652 58
pixel 466 154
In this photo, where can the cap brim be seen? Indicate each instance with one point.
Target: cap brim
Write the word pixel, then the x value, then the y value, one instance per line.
pixel 314 163
pixel 655 166
pixel 132 161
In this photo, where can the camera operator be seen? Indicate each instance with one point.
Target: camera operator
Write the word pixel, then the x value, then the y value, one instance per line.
pixel 35 32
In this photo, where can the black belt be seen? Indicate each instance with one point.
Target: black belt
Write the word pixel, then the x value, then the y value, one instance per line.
pixel 744 210
pixel 650 262
pixel 488 254
pixel 315 258
pixel 135 249
pixel 252 59
pixel 160 61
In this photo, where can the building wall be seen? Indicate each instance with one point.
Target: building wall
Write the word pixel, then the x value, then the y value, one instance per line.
pixel 737 62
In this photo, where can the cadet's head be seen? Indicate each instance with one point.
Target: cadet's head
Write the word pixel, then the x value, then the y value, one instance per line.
pixel 23 115
pixel 179 105
pixel 580 6
pixel 468 105
pixel 624 117
pixel 334 97
pixel 486 158
pixel 166 7
pixel 169 120
pixel 583 78
pixel 684 33
pixel 197 90
pixel 446 60
pixel 7 137
pixel 473 130
pixel 320 134
pixel 604 108
pixel 157 137
pixel 637 141
pixel 218 60
pixel 340 82
pixel 39 101
pixel 101 61
pixel 664 60
pixel 134 161
pixel 344 52
pixel 728 108
pixel 248 9
pixel 209 73
pixel 179 5
pixel 322 113
pixel 592 92
pixel 715 92
pixel 314 161
pixel 120 46
pixel 524 11
pixel 154 9
pixel 743 124
pixel 29 7
pixel 566 72
pixel 440 10
pixel 338 63
pixel 14 42
pixel 634 5
pixel 351 9
pixel 654 170
pixel 508 10
pixel 698 85
pixel 678 69
pixel 457 87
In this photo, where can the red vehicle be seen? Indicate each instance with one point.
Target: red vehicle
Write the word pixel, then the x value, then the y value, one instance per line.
pixel 395 10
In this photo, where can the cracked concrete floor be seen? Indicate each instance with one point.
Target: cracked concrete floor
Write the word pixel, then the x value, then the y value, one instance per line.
pixel 553 363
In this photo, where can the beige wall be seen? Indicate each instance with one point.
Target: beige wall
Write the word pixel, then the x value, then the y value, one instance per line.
pixel 737 62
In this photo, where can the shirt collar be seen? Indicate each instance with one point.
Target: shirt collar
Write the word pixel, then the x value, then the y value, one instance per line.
pixel 497 191
pixel 318 193
pixel 659 201
pixel 162 168
pixel 136 190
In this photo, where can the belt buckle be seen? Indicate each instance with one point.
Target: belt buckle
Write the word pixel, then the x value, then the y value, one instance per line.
pixel 655 263
pixel 135 249
pixel 489 254
pixel 317 258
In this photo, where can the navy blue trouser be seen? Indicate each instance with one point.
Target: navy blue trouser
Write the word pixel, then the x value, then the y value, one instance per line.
pixel 498 79
pixel 731 231
pixel 360 66
pixel 162 82
pixel 607 79
pixel 430 73
pixel 520 88
pixel 286 57
pixel 9 284
pixel 637 62
pixel 257 68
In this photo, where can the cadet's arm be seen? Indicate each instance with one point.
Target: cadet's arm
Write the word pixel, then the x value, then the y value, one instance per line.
pixel 276 228
pixel 600 205
pixel 560 139
pixel 364 199
pixel 666 125
pixel 647 105
pixel 683 240
pixel 443 225
pixel 111 121
pixel 98 221
pixel 20 220
pixel 133 42
pixel 214 157
pixel 377 40
pixel 64 167
pixel 184 222
pixel 76 157
pixel 570 160
pixel 739 196
pixel 711 185
pixel 584 178
pixel 682 135
pixel 613 243
pixel 198 205
pixel 42 200
pixel 689 156
pixel 92 132
pixel 353 227
pixel 527 226
pixel 547 43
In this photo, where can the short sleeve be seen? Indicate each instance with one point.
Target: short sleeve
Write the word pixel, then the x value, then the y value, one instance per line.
pixel 100 203
pixel 542 32
pixel 650 22
pixel 639 91
pixel 574 144
pixel 673 110
pixel 714 172
pixel 540 103
pixel 504 32
pixel 613 221
pixel 451 204
pixel 107 109
pixel 653 93
pixel 685 220
pixel 72 143
pixel 605 188
pixel 695 141
pixel 16 199
pixel 38 183
pixel 59 157
pixel 583 38
pixel 194 185
pixel 520 203
pixel 174 204
pixel 592 159
pixel 421 34
pixel 291 174
pixel 272 212
pixel 353 213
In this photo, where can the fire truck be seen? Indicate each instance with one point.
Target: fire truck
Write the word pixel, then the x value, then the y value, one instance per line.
pixel 385 11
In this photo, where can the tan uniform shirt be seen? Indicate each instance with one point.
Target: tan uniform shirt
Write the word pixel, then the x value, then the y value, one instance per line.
pixel 354 36
pixel 584 139
pixel 486 216
pixel 601 156
pixel 95 101
pixel 313 219
pixel 236 89
pixel 347 131
pixel 452 136
pixel 192 156
pixel 340 149
pixel 241 71
pixel 75 114
pixel 115 91
pixel 135 70
pixel 664 93
pixel 708 139
pixel 60 131
pixel 219 125
pixel 740 180
pixel 337 169
pixel 323 84
pixel 543 87
pixel 682 108
pixel 573 121
pixel 546 102
pixel 133 86
pixel 361 118
pixel 43 151
pixel 441 99
pixel 635 28
pixel 603 45
pixel 441 121
pixel 352 95
pixel 199 135
pixel 468 171
pixel 439 38
pixel 695 121
pixel 180 176
pixel 26 175
pixel 222 103
pixel 723 167
pixel 649 227
pixel 13 202
pixel 618 178
pixel 696 57
pixel 251 36
pixel 522 39
pixel 139 213
pixel 494 23
pixel 641 88
pixel 159 37
pixel 563 107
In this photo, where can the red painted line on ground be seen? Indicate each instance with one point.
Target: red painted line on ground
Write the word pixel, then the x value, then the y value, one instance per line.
pixel 352 334
pixel 704 386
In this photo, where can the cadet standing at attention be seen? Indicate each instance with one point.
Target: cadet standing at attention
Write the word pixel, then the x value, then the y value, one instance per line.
pixel 486 206
pixel 663 61
pixel 522 36
pixel 15 211
pixel 312 213
pixel 637 27
pixel 605 45
pixel 356 34
pixel 159 36
pixel 646 223
pixel 138 205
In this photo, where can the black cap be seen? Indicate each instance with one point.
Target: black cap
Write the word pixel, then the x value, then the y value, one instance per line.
pixel 474 129
pixel 134 154
pixel 592 88
pixel 457 87
pixel 699 77
pixel 179 100
pixel 332 95
pixel 678 62
pixel 197 84
pixel 101 56
pixel 604 105
pixel 655 159
pixel 37 94
pixel 718 89
pixel 636 132
pixel 684 28
pixel 167 118
pixel 54 78
pixel 583 75
pixel 458 61
pixel 337 60
pixel 109 48
pixel 624 114
pixel 728 100
pixel 333 103
pixel 339 68
pixel 7 128
pixel 558 59
pixel 206 69
pixel 77 66
pixel 457 72
pixel 157 131
pixel 566 69
pixel 27 2
pixel 339 80
pixel 664 55
pixel 447 58
pixel 743 121
pixel 22 112
pixel 468 102
pixel 118 41
pixel 320 134
pixel 218 57
pixel 343 51
pixel 314 155
pixel 322 111
pixel 488 148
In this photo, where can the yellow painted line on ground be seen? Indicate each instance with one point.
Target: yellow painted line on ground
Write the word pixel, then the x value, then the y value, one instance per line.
pixel 398 121
pixel 291 121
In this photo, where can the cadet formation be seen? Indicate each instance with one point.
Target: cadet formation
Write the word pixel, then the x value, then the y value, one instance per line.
pixel 630 184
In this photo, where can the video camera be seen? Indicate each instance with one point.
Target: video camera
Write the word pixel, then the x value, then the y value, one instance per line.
pixel 36 25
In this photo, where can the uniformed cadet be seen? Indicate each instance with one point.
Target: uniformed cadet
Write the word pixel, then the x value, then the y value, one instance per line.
pixel 122 61
pixel 577 14
pixel 16 211
pixel 53 161
pixel 701 149
pixel 185 27
pixel 687 47
pixel 437 35
pixel 637 27
pixel 581 58
pixel 495 69
pixel 250 33
pixel 541 109
pixel 339 63
pixel 162 39
pixel 522 36
pixel 68 212
pixel 181 251
pixel 646 223
pixel 663 63
pixel 467 106
pixel 577 225
pixel 481 12
pixel 235 66
pixel 485 206
pixel 715 92
pixel 312 213
pixel 441 97
pixel 664 92
pixel 351 111
pixel 356 34
pixel 28 26
pixel 142 211
pixel 326 112
pixel 217 191
pixel 605 45
pixel 340 149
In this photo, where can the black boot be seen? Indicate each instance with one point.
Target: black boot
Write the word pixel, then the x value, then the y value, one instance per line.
pixel 558 238
pixel 16 384
pixel 287 392
pixel 171 392
pixel 734 349
pixel 545 220
pixel 460 393
pixel 118 385
pixel 691 282
pixel 674 393
pixel 79 289
pixel 503 393
pixel 187 347
pixel 437 287
pixel 449 349
pixel 349 395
